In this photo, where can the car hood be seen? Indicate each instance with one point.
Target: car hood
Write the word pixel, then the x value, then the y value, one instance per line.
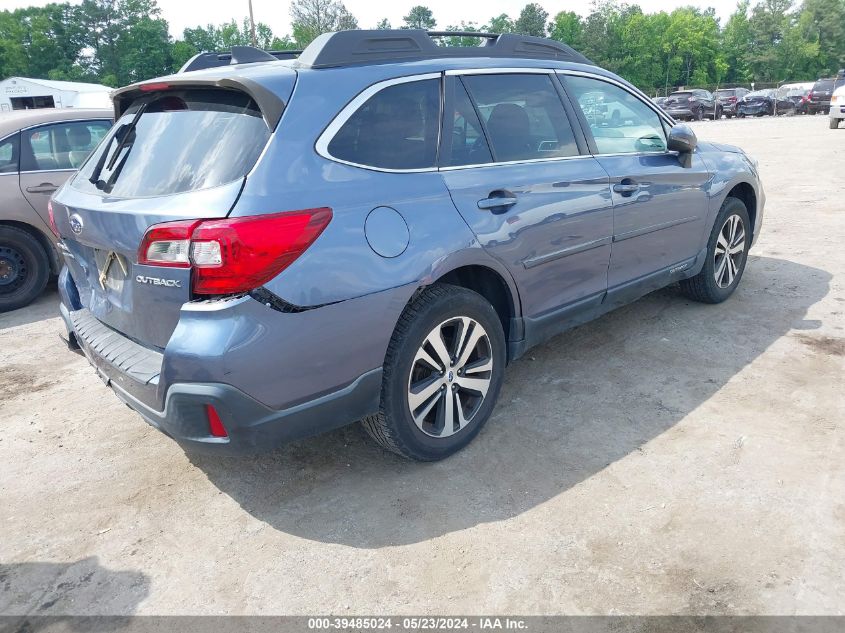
pixel 720 147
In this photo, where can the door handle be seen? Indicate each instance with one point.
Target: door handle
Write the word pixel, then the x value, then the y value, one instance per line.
pixel 44 187
pixel 500 199
pixel 626 187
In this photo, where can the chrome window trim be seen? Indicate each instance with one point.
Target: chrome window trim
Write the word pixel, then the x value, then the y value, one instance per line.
pixel 44 171
pixel 500 71
pixel 60 121
pixel 323 141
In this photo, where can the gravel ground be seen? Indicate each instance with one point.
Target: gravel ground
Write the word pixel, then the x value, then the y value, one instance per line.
pixel 670 457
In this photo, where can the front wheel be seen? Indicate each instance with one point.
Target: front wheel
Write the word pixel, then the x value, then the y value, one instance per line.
pixel 24 268
pixel 727 254
pixel 443 371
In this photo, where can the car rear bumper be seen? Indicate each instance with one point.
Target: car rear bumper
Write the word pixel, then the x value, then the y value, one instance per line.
pixel 753 109
pixel 680 113
pixel 133 373
pixel 837 112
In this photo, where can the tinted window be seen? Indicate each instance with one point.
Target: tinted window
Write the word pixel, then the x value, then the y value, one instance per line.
pixel 61 145
pixel 9 155
pixel 184 141
pixel 726 93
pixel 619 121
pixel 825 84
pixel 523 115
pixel 395 129
pixel 469 147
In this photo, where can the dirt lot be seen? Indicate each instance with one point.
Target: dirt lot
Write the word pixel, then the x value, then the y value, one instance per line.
pixel 668 458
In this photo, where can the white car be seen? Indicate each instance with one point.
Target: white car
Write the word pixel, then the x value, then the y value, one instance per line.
pixel 837 107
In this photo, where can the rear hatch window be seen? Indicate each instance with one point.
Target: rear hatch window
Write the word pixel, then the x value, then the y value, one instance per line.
pixel 175 142
pixel 823 86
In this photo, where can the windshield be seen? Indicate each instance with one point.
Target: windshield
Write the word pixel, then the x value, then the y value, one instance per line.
pixel 759 93
pixel 725 93
pixel 177 141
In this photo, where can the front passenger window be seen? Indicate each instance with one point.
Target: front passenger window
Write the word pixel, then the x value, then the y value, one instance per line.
pixel 619 121
pixel 523 115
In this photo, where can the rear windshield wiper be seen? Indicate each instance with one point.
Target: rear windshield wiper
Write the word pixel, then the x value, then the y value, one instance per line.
pixel 124 138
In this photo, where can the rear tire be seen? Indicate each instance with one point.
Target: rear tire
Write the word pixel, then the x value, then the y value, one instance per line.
pixel 435 397
pixel 24 268
pixel 727 254
pixel 834 123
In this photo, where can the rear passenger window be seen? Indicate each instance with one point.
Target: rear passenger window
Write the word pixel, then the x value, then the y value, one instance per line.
pixel 619 121
pixel 395 129
pixel 61 145
pixel 9 155
pixel 523 115
pixel 469 147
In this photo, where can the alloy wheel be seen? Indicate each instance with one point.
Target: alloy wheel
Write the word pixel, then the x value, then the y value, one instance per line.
pixel 450 376
pixel 729 251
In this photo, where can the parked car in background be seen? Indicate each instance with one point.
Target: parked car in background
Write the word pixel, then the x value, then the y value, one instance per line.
pixel 728 98
pixel 661 101
pixel 764 103
pixel 837 107
pixel 797 93
pixel 39 150
pixel 328 239
pixel 692 104
pixel 819 98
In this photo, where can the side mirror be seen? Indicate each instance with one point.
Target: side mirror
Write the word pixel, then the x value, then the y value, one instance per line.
pixel 681 139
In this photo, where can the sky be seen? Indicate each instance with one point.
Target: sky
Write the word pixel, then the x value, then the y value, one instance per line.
pixel 189 13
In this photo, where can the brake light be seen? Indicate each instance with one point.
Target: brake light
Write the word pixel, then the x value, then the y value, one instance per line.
pixel 53 226
pixel 153 87
pixel 233 255
pixel 732 99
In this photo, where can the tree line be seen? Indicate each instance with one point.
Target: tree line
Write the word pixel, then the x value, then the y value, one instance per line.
pixel 116 42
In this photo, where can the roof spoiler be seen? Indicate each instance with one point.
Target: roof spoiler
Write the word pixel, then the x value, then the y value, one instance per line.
pixel 238 55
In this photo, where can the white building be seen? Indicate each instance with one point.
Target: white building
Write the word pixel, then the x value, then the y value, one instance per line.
pixel 22 93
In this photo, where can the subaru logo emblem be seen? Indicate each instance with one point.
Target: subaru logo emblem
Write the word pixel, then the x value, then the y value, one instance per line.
pixel 75 223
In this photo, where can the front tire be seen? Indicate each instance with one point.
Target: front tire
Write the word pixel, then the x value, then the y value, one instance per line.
pixel 443 371
pixel 24 268
pixel 727 254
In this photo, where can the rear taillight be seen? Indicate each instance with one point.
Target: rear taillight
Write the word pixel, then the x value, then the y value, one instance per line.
pixel 52 218
pixel 732 99
pixel 233 254
pixel 691 99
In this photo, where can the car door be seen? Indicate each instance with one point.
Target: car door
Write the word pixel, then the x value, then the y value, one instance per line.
pixel 51 153
pixel 519 173
pixel 659 205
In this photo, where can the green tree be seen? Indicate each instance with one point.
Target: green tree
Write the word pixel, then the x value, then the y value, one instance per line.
pixel 314 17
pixel 567 28
pixel 736 44
pixel 462 40
pixel 531 20
pixel 500 24
pixel 823 21
pixel 383 25
pixel 419 17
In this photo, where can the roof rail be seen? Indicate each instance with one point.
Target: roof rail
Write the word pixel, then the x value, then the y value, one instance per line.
pixel 238 55
pixel 344 48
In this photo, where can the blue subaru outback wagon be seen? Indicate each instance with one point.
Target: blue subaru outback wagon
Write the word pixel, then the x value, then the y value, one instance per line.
pixel 264 249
